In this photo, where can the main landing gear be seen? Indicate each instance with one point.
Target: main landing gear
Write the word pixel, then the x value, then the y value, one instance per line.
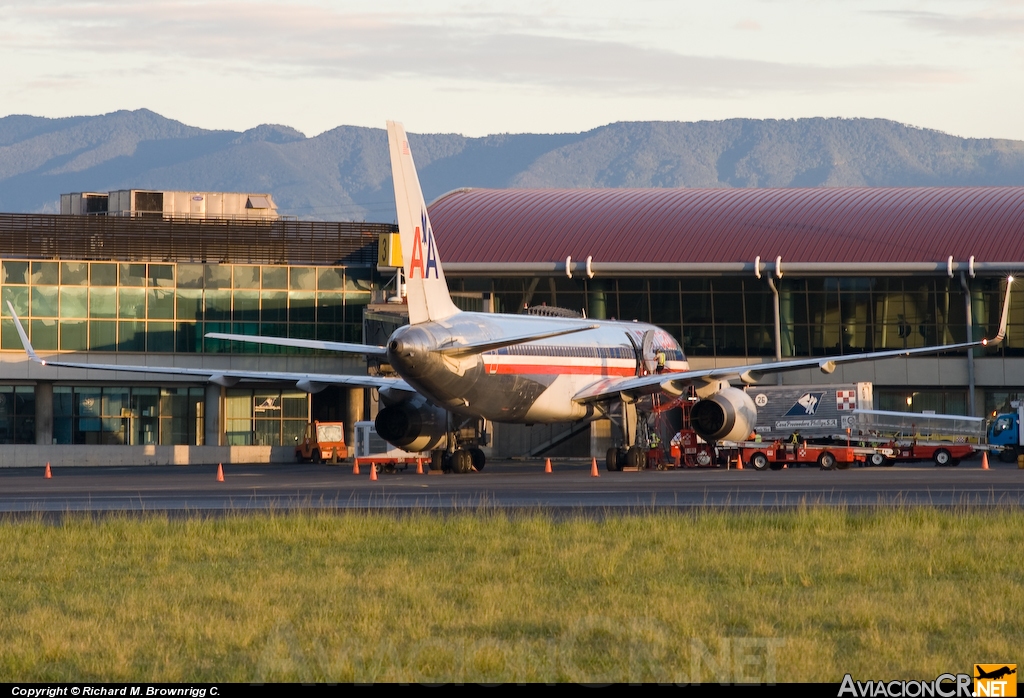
pixel 618 458
pixel 462 460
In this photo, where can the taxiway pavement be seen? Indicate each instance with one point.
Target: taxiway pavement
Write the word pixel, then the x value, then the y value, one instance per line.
pixel 502 485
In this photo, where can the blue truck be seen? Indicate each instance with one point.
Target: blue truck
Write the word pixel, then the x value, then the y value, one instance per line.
pixel 1005 433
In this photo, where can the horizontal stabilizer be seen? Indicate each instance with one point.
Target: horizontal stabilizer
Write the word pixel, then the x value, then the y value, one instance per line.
pixel 304 381
pixel 343 347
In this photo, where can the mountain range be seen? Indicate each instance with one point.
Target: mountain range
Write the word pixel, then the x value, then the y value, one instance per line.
pixel 345 173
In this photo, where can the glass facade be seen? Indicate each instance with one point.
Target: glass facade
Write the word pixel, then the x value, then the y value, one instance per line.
pixel 265 417
pixel 166 308
pixel 17 414
pixel 162 308
pixel 735 317
pixel 134 416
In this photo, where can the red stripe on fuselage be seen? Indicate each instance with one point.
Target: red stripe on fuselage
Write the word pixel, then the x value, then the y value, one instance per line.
pixel 548 369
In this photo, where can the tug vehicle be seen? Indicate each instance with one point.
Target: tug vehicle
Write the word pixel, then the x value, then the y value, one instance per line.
pixel 322 442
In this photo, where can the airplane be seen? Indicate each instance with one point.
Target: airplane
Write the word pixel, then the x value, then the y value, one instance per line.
pixel 994 674
pixel 457 368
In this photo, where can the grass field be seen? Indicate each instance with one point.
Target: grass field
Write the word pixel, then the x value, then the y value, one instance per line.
pixel 487 597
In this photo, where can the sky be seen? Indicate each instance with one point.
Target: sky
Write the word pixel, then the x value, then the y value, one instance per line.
pixel 534 66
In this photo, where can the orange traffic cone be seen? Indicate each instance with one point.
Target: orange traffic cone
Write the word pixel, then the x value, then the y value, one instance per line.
pixel 373 472
pixel 47 474
pixel 419 466
pixel 593 468
pixel 739 461
pixel 984 460
pixel 547 465
pixel 220 472
pixel 355 466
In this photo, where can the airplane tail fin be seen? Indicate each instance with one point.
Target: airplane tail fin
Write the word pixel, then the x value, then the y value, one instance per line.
pixel 426 288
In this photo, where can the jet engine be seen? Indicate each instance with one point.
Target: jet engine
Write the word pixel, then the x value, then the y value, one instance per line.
pixel 728 415
pixel 414 425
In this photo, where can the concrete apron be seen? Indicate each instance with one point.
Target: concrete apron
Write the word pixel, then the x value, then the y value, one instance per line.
pixel 31 455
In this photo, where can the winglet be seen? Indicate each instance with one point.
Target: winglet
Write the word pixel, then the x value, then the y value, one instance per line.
pixel 1002 318
pixel 24 337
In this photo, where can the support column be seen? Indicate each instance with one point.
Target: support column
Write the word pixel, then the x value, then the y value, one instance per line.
pixel 372 404
pixel 598 309
pixel 353 413
pixel 214 430
pixel 787 330
pixel 971 387
pixel 44 413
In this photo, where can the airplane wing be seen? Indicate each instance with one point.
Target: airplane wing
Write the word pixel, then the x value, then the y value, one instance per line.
pixel 676 383
pixel 344 347
pixel 310 382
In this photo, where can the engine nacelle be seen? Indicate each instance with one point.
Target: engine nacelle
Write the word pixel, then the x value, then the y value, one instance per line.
pixel 414 425
pixel 728 415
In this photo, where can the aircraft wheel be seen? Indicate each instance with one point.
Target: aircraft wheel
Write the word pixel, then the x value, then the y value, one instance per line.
pixel 437 460
pixel 635 458
pixel 759 461
pixel 877 459
pixel 826 461
pixel 612 461
pixel 462 461
pixel 478 457
pixel 942 458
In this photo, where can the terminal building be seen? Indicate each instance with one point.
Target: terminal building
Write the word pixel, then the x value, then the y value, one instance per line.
pixel 745 275
pixel 145 289
pixel 738 275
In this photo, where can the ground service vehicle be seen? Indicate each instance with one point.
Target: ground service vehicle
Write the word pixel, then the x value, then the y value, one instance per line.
pixel 1005 433
pixel 322 442
pixel 776 455
pixel 942 454
pixel 373 450
pixel 944 439
pixel 813 410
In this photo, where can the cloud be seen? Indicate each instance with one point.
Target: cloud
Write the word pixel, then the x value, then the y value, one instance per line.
pixel 979 24
pixel 310 40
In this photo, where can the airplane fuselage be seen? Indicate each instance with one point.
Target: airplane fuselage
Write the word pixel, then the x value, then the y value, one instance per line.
pixel 532 382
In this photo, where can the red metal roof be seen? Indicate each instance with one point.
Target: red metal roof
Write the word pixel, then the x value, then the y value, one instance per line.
pixel 822 225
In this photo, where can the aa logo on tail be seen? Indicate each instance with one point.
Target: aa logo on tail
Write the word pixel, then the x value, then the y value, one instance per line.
pixel 995 680
pixel 424 238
